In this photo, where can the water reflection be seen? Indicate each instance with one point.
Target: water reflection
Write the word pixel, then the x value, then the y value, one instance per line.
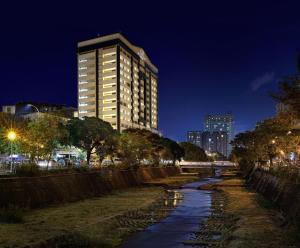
pixel 192 207
pixel 173 199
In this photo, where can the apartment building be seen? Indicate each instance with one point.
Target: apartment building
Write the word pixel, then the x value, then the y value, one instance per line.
pixel 117 83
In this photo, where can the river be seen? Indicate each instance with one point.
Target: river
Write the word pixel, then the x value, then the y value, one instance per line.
pixel 192 209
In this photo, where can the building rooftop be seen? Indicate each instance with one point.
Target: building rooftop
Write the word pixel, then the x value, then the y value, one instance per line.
pixel 118 36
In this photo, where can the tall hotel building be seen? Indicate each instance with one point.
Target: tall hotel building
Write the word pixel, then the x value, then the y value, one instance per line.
pixel 117 82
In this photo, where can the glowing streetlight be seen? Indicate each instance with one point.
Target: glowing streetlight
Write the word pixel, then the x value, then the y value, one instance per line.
pixel 273 141
pixel 11 136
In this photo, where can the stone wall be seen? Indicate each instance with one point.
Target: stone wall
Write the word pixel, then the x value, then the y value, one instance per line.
pixel 34 192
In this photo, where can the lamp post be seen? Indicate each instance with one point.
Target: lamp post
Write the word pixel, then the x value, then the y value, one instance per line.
pixel 11 136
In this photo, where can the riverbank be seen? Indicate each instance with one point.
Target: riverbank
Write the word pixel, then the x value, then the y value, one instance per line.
pixel 98 222
pixel 241 218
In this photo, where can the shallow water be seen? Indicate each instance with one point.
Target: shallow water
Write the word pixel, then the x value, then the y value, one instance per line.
pixel 181 223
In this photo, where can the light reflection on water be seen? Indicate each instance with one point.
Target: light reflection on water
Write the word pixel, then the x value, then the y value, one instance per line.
pixel 192 207
pixel 176 198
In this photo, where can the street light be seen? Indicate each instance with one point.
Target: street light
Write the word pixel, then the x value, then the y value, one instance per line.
pixel 11 136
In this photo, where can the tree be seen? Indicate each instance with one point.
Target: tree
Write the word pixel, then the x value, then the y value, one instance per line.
pixel 133 148
pixel 289 94
pixel 41 136
pixel 88 133
pixel 271 138
pixel 174 149
pixel 108 147
pixel 154 143
pixel 193 152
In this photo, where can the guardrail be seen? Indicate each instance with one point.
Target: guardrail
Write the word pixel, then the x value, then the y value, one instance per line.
pixel 207 164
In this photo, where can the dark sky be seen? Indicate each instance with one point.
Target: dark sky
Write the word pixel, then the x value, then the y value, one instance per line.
pixel 213 56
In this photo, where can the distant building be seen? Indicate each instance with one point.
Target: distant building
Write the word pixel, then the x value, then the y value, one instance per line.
pixel 195 137
pixel 221 124
pixel 117 83
pixel 215 142
pixel 32 110
pixel 9 109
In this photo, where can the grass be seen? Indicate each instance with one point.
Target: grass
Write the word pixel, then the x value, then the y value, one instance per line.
pixel 99 222
pixel 174 180
pixel 11 214
pixel 255 223
pixel 92 219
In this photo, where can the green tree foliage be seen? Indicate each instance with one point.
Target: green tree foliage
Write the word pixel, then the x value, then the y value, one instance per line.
pixel 174 150
pixel 41 136
pixel 88 134
pixel 108 147
pixel 137 146
pixel 276 137
pixel 289 94
pixel 154 144
pixel 193 152
pixel 133 148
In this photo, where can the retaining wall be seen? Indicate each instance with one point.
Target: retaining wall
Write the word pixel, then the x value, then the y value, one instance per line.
pixel 34 192
pixel 285 193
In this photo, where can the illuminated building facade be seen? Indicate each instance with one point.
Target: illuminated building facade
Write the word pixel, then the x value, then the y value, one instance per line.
pixel 195 137
pixel 117 83
pixel 221 123
pixel 215 142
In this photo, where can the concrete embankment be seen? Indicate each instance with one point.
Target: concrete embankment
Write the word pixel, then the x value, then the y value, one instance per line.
pixel 282 192
pixel 35 192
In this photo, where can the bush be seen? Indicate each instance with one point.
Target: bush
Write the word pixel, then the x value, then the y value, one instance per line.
pixel 28 170
pixel 11 214
pixel 81 169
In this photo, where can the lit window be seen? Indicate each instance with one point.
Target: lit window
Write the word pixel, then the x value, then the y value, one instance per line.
pixel 82 75
pixel 83 82
pixel 109 54
pixel 82 60
pixel 109 61
pixel 109 77
pixel 83 97
pixel 109 69
pixel 82 68
pixel 108 93
pixel 109 85
pixel 109 116
pixel 109 100
pixel 83 90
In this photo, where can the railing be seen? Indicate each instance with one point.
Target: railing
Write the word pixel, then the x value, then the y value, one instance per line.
pixel 207 164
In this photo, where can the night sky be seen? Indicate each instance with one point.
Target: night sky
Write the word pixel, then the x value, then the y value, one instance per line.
pixel 213 57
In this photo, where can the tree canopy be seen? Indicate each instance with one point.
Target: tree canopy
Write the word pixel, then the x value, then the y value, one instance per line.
pixel 193 152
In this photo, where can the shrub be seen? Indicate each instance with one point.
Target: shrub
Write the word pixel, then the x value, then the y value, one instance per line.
pixel 11 214
pixel 81 169
pixel 28 170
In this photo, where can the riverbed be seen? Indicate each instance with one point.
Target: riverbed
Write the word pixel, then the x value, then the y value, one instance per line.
pixel 192 208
